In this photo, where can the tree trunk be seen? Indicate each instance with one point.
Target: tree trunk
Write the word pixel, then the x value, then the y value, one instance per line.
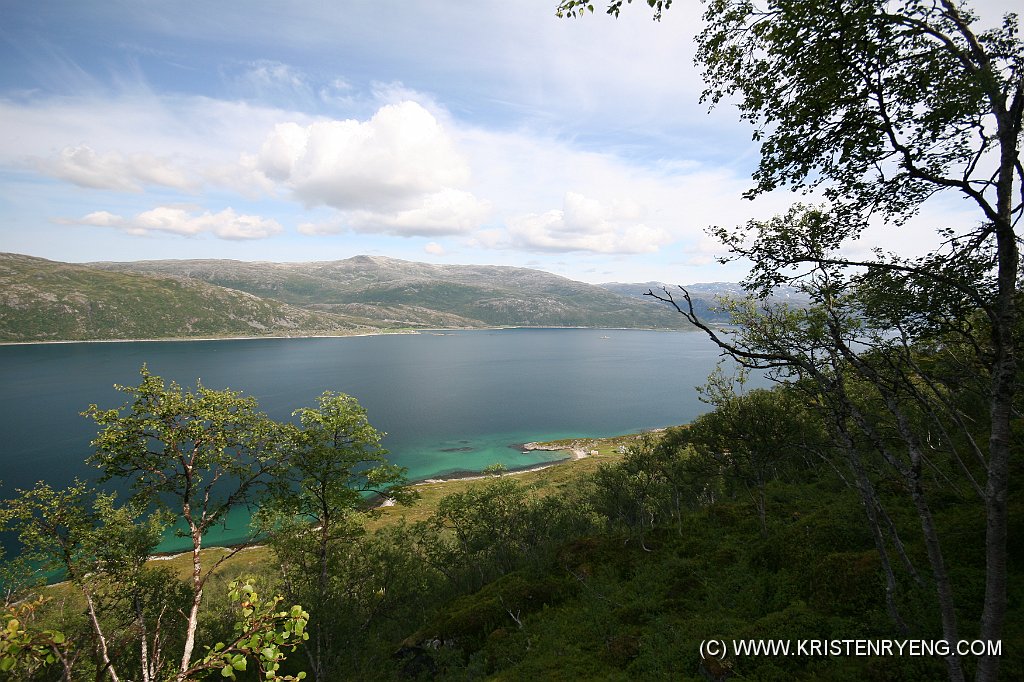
pixel 197 599
pixel 1004 377
pixel 871 507
pixel 101 640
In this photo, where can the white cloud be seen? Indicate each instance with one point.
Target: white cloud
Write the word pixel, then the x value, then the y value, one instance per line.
pixel 389 162
pixel 336 225
pixel 265 74
pixel 703 251
pixel 99 219
pixel 584 224
pixel 225 224
pixel 84 167
pixel 449 211
pixel 137 142
pixel 397 173
pixel 434 249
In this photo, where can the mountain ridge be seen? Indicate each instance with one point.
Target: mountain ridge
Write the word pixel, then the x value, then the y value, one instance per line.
pixel 44 300
pixel 384 287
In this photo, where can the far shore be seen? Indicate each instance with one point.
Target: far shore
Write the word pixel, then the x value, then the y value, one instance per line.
pixel 213 338
pixel 382 332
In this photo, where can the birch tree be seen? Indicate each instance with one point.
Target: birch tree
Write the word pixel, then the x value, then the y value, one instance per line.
pixel 199 453
pixel 878 106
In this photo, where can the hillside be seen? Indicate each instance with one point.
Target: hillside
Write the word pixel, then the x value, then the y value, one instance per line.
pixel 599 605
pixel 42 300
pixel 421 294
pixel 705 295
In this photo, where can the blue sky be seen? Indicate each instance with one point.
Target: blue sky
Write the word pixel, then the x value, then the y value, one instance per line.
pixel 448 131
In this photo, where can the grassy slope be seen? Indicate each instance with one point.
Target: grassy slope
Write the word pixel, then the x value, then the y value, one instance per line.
pixel 421 294
pixel 43 300
pixel 548 481
pixel 612 611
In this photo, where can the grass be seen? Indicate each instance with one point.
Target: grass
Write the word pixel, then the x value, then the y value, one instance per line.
pixel 551 480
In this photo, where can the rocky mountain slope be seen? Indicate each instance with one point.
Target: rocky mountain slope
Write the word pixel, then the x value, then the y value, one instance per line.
pixel 42 300
pixel 705 296
pixel 397 292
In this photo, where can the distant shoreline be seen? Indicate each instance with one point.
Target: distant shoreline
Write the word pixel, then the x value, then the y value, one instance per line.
pixel 335 336
pixel 178 339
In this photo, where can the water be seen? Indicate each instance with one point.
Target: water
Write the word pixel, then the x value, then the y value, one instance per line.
pixel 449 402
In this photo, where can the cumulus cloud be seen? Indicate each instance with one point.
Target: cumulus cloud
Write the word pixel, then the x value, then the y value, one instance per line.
pixel 449 211
pixel 584 224
pixel 396 157
pixel 84 167
pixel 398 173
pixel 225 224
pixel 434 249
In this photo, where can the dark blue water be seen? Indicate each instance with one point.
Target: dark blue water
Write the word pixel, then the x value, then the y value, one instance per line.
pixel 449 402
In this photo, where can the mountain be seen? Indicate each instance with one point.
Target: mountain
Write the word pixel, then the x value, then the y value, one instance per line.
pixel 420 294
pixel 42 300
pixel 704 303
pixel 705 296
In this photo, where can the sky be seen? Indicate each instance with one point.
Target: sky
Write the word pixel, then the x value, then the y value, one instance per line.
pixel 451 131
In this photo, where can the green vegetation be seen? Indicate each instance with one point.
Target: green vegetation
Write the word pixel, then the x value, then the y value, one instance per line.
pixel 396 292
pixel 877 107
pixel 614 566
pixel 870 496
pixel 42 300
pixel 333 458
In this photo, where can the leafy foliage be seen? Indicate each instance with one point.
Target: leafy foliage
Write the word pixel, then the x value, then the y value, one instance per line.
pixel 879 106
pixel 262 635
pixel 25 649
pixel 334 458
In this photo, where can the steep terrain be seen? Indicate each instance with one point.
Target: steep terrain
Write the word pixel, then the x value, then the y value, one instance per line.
pixel 705 296
pixel 421 294
pixel 42 300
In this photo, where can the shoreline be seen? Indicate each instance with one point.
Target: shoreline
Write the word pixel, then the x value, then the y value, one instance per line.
pixel 574 450
pixel 182 339
pixel 178 339
pixel 576 454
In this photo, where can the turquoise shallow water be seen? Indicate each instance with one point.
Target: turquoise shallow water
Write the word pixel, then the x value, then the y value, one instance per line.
pixel 450 402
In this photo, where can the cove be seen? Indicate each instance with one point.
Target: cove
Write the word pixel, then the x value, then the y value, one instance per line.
pixel 450 402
